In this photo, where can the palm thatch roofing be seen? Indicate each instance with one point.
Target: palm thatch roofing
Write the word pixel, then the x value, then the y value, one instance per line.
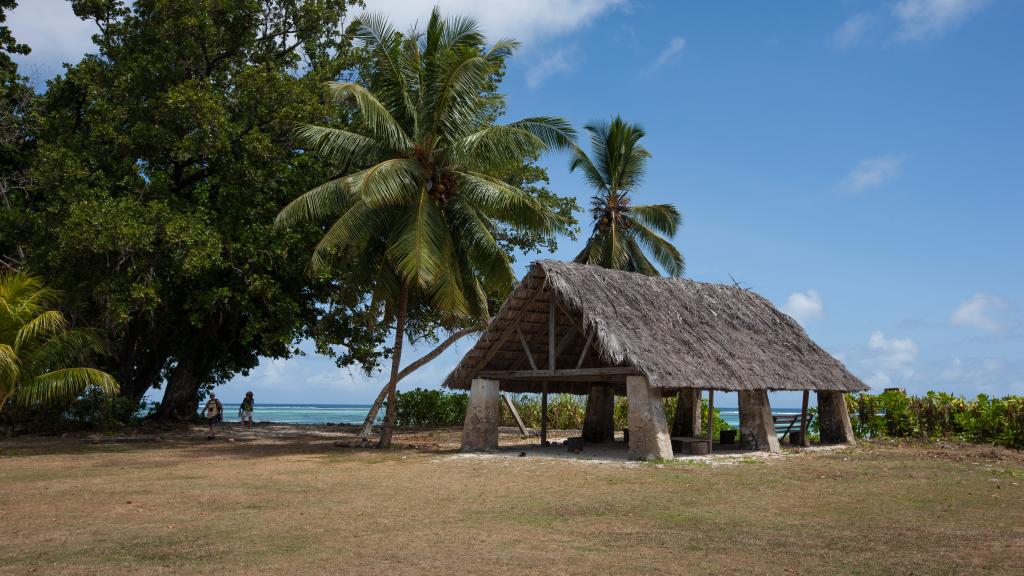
pixel 679 333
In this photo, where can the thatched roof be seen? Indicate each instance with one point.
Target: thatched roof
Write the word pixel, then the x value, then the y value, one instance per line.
pixel 677 332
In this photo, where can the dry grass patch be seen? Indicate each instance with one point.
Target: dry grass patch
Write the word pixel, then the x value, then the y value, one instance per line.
pixel 297 505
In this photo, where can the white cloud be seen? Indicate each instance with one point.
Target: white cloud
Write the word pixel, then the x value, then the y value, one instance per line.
pixel 54 33
pixel 524 20
pixel 978 311
pixel 557 62
pixel 920 19
pixel 853 29
pixel 871 173
pixel 889 359
pixel 671 52
pixel 805 306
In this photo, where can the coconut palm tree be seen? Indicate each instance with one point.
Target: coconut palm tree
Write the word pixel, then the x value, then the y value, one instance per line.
pixel 419 199
pixel 625 234
pixel 39 352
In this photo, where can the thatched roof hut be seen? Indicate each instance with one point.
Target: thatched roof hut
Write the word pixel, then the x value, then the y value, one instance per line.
pixel 603 325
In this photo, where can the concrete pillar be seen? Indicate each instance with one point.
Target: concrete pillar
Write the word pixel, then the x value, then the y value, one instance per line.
pixel 757 430
pixel 834 418
pixel 480 432
pixel 599 421
pixel 648 428
pixel 687 422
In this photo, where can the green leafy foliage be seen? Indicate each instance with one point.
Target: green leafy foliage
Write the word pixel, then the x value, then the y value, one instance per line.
pixel 156 167
pixel 894 414
pixel 421 407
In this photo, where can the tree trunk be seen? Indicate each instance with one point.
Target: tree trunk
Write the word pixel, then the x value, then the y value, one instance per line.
pixel 181 397
pixel 396 361
pixel 375 408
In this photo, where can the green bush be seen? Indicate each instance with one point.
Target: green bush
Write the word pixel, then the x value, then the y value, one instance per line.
pixel 421 407
pixel 894 414
pixel 100 411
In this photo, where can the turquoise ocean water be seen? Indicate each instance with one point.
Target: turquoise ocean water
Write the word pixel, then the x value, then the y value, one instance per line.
pixel 354 413
pixel 304 413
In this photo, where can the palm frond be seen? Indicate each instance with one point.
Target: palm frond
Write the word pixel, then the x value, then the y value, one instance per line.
pixel 556 133
pixel 375 116
pixel 342 147
pixel 664 218
pixel 417 243
pixel 356 228
pixel 64 385
pixel 394 182
pixel 376 31
pixel 47 323
pixel 664 253
pixel 502 201
pixel 325 201
pixel 595 178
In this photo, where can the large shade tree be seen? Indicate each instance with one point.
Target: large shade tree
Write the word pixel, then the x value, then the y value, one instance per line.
pixel 160 161
pixel 41 355
pixel 421 200
pixel 625 234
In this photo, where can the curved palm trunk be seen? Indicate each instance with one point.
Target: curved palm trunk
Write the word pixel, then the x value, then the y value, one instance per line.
pixel 367 428
pixel 396 361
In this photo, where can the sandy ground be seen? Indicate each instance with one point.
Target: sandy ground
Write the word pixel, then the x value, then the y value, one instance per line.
pixel 286 500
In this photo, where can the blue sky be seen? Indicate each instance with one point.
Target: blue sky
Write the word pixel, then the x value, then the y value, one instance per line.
pixel 858 163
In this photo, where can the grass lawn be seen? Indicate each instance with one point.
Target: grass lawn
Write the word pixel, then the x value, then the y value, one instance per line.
pixel 294 504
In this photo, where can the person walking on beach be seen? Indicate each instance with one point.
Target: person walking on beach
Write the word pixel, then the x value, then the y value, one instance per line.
pixel 214 412
pixel 245 410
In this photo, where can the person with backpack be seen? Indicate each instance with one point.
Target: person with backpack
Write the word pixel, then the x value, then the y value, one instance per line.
pixel 245 410
pixel 214 412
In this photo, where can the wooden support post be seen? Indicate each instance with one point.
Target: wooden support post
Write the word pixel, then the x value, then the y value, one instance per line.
pixel 803 420
pixel 757 428
pixel 834 418
pixel 599 419
pixel 551 366
pixel 480 431
pixel 648 429
pixel 515 414
pixel 711 419
pixel 687 421
pixel 544 415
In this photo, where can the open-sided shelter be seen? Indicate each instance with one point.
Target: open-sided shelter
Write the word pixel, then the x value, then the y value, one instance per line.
pixel 588 330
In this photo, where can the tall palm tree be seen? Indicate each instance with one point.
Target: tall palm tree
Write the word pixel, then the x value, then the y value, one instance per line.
pixel 625 234
pixel 39 352
pixel 419 200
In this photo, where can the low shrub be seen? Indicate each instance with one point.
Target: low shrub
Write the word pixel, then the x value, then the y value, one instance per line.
pixel 421 407
pixel 894 414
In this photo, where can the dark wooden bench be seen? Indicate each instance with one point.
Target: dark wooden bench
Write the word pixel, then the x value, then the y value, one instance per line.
pixel 788 424
pixel 690 445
